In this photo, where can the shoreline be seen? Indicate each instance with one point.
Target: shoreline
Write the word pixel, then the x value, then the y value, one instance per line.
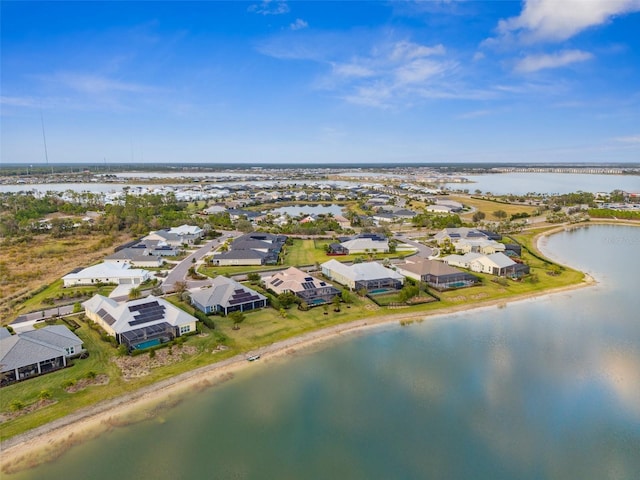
pixel 48 442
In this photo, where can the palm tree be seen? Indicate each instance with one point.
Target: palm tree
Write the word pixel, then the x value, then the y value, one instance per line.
pixel 135 293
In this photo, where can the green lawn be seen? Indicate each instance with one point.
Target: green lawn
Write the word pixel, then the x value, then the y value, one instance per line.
pixel 260 328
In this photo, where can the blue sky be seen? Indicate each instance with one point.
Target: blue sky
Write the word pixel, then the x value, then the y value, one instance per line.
pixel 329 82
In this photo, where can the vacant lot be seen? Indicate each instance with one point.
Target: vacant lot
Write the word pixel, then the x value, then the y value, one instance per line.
pixel 27 266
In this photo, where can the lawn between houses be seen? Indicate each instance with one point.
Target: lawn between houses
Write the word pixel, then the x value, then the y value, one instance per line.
pixel 260 328
pixel 303 252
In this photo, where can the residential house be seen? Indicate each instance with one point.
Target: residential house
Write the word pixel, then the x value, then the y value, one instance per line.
pixel 135 258
pixel 497 264
pixel 140 323
pixel 156 248
pixel 365 243
pixel 109 273
pixel 303 285
pixel 252 249
pixel 35 352
pixel 478 245
pixel 436 274
pixel 225 296
pixel 178 236
pixel 368 276
pixel 452 235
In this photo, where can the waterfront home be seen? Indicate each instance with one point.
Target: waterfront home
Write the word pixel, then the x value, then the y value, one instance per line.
pixel 497 264
pixel 109 273
pixel 35 352
pixel 302 285
pixel 139 323
pixel 436 274
pixel 368 276
pixel 224 295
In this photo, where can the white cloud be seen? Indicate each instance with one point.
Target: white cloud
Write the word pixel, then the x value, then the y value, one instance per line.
pixel 352 70
pixel 419 71
pixel 299 24
pixel 557 20
pixel 269 7
pixel 96 84
pixel 633 139
pixel 533 63
pixel 408 51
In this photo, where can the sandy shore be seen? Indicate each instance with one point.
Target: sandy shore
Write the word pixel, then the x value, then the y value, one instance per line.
pixel 51 440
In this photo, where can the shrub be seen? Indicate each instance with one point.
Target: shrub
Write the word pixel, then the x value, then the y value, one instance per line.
pixel 91 374
pixel 44 395
pixel 16 405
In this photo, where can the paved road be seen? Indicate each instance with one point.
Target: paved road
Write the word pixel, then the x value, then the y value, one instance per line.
pixel 423 250
pixel 179 272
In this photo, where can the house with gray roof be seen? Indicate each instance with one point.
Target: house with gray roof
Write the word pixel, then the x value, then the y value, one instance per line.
pixel 107 273
pixel 497 264
pixel 36 352
pixel 225 296
pixel 368 276
pixel 135 258
pixel 436 274
pixel 254 248
pixel 140 323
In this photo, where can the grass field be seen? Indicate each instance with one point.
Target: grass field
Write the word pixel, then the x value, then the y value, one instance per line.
pixel 26 267
pixel 488 207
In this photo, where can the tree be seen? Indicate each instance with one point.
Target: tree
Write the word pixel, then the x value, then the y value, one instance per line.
pixel 501 214
pixel 254 277
pixel 135 293
pixel 346 296
pixel 237 318
pixel 180 287
pixel 477 216
pixel 336 303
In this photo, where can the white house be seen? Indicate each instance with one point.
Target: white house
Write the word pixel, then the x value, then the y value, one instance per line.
pixel 118 273
pixel 370 275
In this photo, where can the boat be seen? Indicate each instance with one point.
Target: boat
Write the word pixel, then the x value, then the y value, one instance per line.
pixel 253 358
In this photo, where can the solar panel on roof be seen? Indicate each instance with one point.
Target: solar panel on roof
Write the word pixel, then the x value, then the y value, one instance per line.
pixel 308 279
pixel 277 282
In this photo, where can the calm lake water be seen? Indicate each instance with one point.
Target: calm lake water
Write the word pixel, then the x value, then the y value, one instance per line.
pixel 540 389
pixel 549 183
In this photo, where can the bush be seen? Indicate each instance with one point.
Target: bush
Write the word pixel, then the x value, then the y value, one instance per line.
pixel 91 374
pixel 16 405
pixel 204 318
pixel 44 395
